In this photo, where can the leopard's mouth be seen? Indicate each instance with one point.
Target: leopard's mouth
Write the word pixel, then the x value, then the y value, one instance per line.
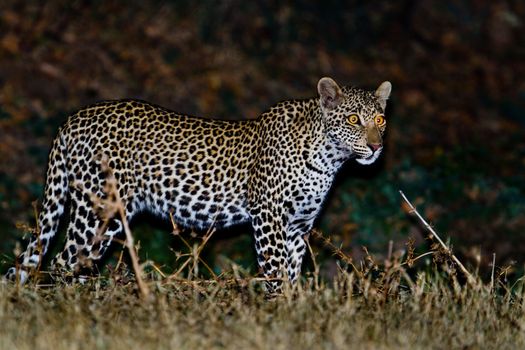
pixel 366 160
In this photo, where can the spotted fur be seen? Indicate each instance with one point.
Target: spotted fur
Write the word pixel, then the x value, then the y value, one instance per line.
pixel 274 171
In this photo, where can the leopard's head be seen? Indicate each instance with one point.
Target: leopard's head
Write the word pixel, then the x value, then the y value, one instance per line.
pixel 355 118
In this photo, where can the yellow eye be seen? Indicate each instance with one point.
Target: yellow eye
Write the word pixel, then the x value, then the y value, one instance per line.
pixel 379 120
pixel 353 119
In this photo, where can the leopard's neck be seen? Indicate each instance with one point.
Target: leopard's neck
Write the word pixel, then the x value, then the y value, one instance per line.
pixel 325 152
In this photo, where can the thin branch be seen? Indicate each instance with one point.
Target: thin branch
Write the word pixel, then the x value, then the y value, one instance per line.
pixel 312 255
pixel 195 257
pixel 420 256
pixel 116 201
pixel 336 251
pixel 492 273
pixel 130 244
pixel 186 243
pixel 413 210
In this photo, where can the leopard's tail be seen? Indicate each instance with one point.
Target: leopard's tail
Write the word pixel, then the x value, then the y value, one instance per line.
pixel 55 196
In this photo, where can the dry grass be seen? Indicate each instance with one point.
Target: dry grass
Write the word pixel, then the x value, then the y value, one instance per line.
pixel 351 312
pixel 370 305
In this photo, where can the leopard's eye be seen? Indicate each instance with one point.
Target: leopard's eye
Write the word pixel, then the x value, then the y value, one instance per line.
pixel 353 119
pixel 379 120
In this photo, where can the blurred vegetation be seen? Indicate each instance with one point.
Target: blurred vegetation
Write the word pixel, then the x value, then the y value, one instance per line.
pixel 455 142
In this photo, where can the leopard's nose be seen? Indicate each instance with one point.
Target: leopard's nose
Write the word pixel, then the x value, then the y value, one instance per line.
pixel 374 146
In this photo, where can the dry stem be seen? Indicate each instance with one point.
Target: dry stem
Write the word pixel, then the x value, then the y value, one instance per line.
pixel 112 191
pixel 316 267
pixel 413 210
pixel 195 256
pixel 492 272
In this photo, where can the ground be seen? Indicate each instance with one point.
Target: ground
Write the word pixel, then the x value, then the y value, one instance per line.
pixel 222 314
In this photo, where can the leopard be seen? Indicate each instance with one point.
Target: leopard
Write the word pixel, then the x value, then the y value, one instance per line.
pixel 274 172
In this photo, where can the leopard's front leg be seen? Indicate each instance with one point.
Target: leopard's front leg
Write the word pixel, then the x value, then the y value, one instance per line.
pixel 270 246
pixel 296 248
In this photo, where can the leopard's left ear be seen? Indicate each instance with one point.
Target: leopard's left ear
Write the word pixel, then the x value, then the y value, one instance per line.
pixel 383 93
pixel 329 92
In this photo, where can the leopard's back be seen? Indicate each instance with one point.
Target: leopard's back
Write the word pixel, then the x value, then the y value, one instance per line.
pixel 194 168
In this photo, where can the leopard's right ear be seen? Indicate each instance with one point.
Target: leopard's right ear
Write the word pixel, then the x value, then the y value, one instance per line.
pixel 329 92
pixel 383 93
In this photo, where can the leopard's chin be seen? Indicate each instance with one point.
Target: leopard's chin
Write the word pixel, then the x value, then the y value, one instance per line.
pixel 370 159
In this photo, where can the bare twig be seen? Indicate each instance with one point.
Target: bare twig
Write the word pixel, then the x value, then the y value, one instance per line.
pixel 195 256
pixel 336 251
pixel 156 268
pixel 115 200
pixel 176 232
pixel 39 242
pixel 492 273
pixel 413 210
pixel 316 267
pixel 239 281
pixel 130 244
pixel 419 257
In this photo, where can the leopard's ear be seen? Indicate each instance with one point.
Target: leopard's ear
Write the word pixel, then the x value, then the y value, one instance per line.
pixel 329 92
pixel 383 93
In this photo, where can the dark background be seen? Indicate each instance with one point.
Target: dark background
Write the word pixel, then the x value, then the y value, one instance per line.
pixel 455 140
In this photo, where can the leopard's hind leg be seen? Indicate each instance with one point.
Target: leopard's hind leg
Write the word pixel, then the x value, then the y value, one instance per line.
pixel 88 236
pixel 55 196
